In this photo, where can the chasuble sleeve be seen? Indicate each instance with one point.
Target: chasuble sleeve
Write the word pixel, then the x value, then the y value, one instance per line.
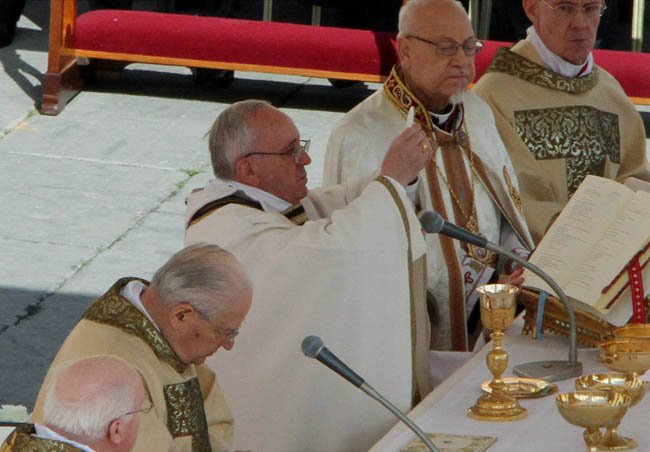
pixel 217 413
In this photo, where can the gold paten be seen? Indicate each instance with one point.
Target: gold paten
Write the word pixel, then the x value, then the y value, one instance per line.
pixel 628 385
pixel 497 313
pixel 524 388
pixel 592 410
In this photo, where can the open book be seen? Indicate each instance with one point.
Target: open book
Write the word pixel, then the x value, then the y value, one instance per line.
pixel 603 226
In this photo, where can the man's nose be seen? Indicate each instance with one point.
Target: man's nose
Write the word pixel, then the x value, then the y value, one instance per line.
pixel 304 159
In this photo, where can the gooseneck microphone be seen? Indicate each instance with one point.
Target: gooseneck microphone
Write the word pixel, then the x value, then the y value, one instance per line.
pixel 433 223
pixel 313 347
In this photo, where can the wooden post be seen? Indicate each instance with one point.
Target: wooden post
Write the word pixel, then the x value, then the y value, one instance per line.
pixel 62 80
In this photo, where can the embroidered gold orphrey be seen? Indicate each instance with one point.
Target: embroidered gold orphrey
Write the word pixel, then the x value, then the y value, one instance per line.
pixel 186 415
pixel 509 62
pixel 585 136
pixel 21 440
pixel 185 411
pixel 514 193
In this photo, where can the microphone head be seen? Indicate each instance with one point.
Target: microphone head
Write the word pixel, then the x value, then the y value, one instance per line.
pixel 311 346
pixel 431 221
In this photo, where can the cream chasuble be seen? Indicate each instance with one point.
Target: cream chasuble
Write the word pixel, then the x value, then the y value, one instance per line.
pixel 472 161
pixel 353 276
pixel 189 407
pixel 558 130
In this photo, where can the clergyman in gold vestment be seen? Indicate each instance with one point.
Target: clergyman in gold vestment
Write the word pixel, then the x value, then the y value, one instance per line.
pixel 194 306
pixel 561 116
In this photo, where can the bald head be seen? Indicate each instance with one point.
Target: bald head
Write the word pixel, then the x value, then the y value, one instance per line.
pixel 413 10
pixel 85 395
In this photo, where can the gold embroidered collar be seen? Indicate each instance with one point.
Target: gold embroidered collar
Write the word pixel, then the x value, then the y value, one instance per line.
pixel 508 62
pixel 403 99
pixel 21 439
pixel 114 310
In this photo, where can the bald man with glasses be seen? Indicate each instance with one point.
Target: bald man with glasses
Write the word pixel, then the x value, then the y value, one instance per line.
pixel 561 116
pixel 469 181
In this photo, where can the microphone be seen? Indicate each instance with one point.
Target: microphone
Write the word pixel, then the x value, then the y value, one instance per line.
pixel 313 347
pixel 433 223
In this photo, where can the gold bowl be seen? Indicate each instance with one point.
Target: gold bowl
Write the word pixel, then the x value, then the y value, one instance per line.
pixel 498 304
pixel 592 410
pixel 626 384
pixel 633 330
pixel 626 354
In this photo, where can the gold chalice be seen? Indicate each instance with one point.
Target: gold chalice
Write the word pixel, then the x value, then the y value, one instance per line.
pixel 497 313
pixel 626 354
pixel 592 410
pixel 626 384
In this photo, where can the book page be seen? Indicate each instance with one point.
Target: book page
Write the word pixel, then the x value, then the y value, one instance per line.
pixel 577 230
pixel 621 241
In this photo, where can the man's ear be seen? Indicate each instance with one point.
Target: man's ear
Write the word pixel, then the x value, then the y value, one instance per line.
pixel 116 431
pixel 530 8
pixel 246 172
pixel 179 314
pixel 403 50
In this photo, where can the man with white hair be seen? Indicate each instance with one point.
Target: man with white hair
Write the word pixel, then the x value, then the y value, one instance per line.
pixel 560 115
pixel 469 181
pixel 92 405
pixel 166 329
pixel 321 262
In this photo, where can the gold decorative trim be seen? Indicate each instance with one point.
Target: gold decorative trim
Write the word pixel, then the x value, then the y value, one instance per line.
pixel 114 310
pixel 21 440
pixel 514 193
pixel 296 214
pixel 186 414
pixel 508 62
pixel 585 136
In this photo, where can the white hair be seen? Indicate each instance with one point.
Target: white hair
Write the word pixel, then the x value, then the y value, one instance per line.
pixel 231 137
pixel 86 394
pixel 409 11
pixel 205 276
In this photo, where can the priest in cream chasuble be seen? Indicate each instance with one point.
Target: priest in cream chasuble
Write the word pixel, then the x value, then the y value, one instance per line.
pixel 189 407
pixel 469 181
pixel 561 116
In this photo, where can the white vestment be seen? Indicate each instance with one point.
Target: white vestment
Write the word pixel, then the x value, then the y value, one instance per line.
pixel 357 147
pixel 345 278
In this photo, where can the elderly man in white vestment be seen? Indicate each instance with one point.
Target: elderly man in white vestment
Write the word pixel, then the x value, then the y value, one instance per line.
pixel 469 181
pixel 561 116
pixel 92 405
pixel 166 329
pixel 354 276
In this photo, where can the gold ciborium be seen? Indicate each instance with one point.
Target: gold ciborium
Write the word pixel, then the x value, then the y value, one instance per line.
pixel 626 354
pixel 592 410
pixel 626 384
pixel 497 313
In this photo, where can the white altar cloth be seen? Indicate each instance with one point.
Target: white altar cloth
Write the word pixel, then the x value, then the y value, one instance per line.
pixel 544 430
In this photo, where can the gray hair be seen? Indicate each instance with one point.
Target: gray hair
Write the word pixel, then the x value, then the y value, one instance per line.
pixel 86 394
pixel 231 137
pixel 205 276
pixel 409 11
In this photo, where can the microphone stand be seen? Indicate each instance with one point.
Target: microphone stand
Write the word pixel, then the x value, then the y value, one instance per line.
pixel 365 387
pixel 547 370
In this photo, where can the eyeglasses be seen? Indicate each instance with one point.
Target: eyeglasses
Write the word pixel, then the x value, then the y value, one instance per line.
pixel 449 47
pixel 148 405
pixel 228 336
pixel 567 11
pixel 303 146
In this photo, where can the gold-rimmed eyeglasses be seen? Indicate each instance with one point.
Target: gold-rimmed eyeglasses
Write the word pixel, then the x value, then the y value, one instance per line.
pixel 567 11
pixel 303 146
pixel 449 47
pixel 148 405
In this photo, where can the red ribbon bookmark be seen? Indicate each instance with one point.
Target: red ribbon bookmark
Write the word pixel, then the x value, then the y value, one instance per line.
pixel 636 286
